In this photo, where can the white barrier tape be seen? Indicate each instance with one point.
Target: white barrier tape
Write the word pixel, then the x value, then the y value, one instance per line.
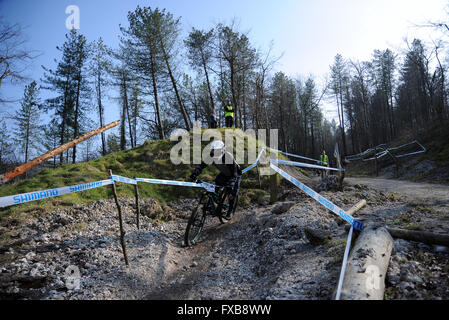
pixel 299 164
pixel 294 155
pixel 123 179
pixel 344 264
pixel 249 168
pixel 208 186
pixel 255 163
pixel 305 165
pixel 332 207
pixel 44 194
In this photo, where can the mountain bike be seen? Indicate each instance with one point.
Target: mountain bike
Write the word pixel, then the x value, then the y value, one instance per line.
pixel 218 203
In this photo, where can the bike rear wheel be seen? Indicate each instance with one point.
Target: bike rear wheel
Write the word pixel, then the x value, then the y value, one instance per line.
pixel 228 207
pixel 196 222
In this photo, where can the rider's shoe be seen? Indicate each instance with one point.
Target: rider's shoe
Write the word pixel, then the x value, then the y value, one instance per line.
pixel 228 214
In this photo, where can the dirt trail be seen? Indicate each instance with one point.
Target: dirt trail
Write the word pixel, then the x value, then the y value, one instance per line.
pixel 260 254
pixel 413 190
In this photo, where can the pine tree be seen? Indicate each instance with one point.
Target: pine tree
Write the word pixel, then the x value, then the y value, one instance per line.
pixel 100 66
pixel 5 145
pixel 27 121
pixel 50 140
pixel 70 83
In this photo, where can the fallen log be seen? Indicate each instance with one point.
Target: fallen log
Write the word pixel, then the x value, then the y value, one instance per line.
pixel 420 236
pixel 429 238
pixel 367 265
pixel 52 153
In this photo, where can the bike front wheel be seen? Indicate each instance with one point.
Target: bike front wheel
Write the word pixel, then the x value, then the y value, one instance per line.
pixel 196 222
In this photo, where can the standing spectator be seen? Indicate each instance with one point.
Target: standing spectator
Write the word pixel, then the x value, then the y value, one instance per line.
pixel 229 115
pixel 213 120
pixel 324 161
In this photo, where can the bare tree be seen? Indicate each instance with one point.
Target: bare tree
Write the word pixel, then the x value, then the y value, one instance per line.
pixel 14 58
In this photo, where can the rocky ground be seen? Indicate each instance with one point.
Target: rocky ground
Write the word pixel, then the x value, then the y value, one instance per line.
pixel 290 250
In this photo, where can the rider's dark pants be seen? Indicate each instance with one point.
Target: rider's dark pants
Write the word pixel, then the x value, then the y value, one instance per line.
pixel 223 180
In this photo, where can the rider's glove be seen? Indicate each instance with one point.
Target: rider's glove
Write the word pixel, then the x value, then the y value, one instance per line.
pixel 195 174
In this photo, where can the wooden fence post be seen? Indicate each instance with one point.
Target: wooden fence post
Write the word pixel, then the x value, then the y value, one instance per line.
pixel 341 173
pixel 136 192
pixel 122 231
pixel 377 164
pixel 274 180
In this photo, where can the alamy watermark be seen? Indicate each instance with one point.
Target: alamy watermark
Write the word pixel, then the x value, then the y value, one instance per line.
pixel 373 280
pixel 73 20
pixel 73 278
pixel 188 150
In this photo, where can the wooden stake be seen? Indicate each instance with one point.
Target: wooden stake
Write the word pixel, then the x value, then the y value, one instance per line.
pixel 122 232
pixel 377 164
pixel 258 176
pixel 341 173
pixel 136 192
pixel 357 207
pixel 274 187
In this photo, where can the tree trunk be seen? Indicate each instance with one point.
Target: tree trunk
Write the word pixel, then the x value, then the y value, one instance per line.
pixel 131 138
pixel 367 265
pixel 175 87
pixel 156 100
pixel 100 111
pixel 124 113
pixel 211 96
pixel 76 124
pixel 234 98
pixel 420 236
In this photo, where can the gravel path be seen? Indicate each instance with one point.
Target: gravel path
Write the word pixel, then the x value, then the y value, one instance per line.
pixel 427 192
pixel 263 253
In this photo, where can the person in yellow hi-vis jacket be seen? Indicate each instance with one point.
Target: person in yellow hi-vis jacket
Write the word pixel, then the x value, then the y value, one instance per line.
pixel 229 114
pixel 324 161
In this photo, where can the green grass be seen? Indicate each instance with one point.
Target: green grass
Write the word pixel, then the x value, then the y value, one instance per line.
pixel 150 160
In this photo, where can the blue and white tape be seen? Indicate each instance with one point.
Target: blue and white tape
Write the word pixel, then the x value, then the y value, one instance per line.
pixel 44 194
pixel 323 201
pixel 344 264
pixel 255 163
pixel 305 165
pixel 293 155
pixel 208 186
pixel 123 179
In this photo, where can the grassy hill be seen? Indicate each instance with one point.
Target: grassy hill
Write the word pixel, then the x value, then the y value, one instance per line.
pixel 150 160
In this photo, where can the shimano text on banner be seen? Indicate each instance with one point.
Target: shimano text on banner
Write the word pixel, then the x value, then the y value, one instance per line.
pixel 44 194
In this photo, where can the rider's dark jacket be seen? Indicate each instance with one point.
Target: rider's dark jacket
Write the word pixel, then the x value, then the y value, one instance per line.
pixel 227 166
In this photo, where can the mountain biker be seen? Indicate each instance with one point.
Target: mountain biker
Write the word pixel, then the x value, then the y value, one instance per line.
pixel 230 173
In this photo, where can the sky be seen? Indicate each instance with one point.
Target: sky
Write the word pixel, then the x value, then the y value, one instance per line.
pixel 308 34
